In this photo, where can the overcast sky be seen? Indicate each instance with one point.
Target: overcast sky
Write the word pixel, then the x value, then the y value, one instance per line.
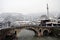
pixel 29 6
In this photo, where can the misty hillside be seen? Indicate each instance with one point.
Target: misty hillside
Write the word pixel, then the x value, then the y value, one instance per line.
pixel 11 16
pixel 37 16
pixel 20 17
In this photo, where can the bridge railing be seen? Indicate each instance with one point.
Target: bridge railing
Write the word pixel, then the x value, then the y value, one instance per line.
pixel 50 25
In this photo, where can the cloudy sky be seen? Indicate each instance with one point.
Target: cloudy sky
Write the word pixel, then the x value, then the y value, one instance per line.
pixel 29 6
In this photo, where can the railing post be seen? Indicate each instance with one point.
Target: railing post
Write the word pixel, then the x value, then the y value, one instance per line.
pixel 46 25
pixel 52 25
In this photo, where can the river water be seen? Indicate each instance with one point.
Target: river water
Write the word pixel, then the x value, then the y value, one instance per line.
pixel 29 35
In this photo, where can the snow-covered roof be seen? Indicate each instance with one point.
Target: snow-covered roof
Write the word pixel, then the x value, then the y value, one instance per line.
pixel 1 19
pixel 43 17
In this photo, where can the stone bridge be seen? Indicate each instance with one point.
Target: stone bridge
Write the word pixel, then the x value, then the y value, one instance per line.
pixel 38 30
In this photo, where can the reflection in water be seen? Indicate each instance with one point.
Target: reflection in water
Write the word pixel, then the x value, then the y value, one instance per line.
pixel 29 35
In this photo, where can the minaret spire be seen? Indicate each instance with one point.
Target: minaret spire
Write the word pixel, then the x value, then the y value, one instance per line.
pixel 47 11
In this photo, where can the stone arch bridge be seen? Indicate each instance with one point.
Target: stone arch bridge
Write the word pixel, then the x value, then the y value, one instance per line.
pixel 39 30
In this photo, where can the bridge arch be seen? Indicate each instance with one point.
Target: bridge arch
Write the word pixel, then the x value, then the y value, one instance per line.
pixel 40 30
pixel 34 30
pixel 45 32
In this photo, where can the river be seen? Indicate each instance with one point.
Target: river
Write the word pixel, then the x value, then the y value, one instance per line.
pixel 29 35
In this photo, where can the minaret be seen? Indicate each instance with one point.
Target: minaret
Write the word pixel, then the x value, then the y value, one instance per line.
pixel 47 11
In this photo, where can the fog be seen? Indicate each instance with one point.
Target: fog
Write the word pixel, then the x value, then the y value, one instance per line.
pixel 29 6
